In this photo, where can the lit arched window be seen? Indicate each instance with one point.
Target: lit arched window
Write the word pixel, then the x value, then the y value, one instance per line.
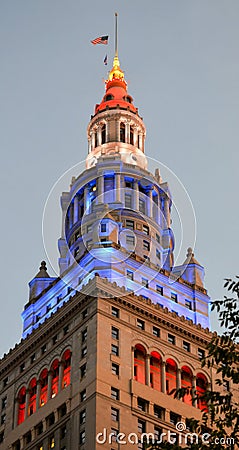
pixel 55 378
pixel 67 368
pixel 139 363
pixel 155 369
pixel 186 383
pixel 201 383
pixel 122 132
pixel 103 134
pixel 32 396
pixel 171 373
pixel 22 405
pixel 44 386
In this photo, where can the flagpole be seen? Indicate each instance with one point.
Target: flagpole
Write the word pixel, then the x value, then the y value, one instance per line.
pixel 116 34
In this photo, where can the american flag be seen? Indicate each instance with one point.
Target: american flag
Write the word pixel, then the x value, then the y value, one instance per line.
pixel 105 60
pixel 100 40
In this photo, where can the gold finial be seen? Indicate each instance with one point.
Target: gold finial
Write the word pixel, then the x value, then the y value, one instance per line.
pixel 116 72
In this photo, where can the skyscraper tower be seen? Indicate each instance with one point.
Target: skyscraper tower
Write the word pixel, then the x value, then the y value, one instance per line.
pixel 105 343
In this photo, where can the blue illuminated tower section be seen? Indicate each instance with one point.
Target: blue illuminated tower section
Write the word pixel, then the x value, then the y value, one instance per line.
pixel 117 222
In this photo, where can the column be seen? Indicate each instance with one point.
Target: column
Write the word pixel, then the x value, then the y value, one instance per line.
pixel 50 374
pixel 16 411
pixel 99 135
pixel 61 372
pixel 44 425
pixel 86 192
pixel 21 443
pixel 106 130
pixel 147 369
pixel 178 378
pixel 89 145
pixel 135 137
pixel 141 141
pixel 68 406
pixel 76 209
pixel 92 140
pixel 166 212
pixel 118 187
pixel 127 132
pixel 56 415
pixel 136 195
pixel 100 183
pixel 150 203
pixel 194 391
pixel 38 394
pixel 163 377
pixel 27 403
pixel 33 433
pixel 117 124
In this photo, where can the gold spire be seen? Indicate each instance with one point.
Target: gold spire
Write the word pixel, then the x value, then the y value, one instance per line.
pixel 116 73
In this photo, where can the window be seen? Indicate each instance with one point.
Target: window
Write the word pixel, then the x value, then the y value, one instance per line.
pixel 145 282
pixel 83 396
pixel 114 434
pixel 84 352
pixel 158 433
pixel 54 340
pixel 174 297
pixel 84 335
pixel 76 251
pixel 3 418
pixel 156 331
pixel 50 420
pixel 129 184
pixel 171 339
pixel 85 314
pixel 140 324
pixel 142 404
pixel 201 353
pixel 82 437
pixel 52 442
pixel 141 426
pixel 115 394
pixel 142 206
pixel 39 429
pixel 159 289
pixel 159 412
pixel 82 416
pixel 28 437
pixel 22 367
pixel 158 254
pixel 115 333
pixel 63 432
pixel 146 245
pixel 5 382
pixel 66 329
pixel 188 304
pixel 1 437
pixel 43 349
pixel 129 224
pixel 226 386
pixel 4 402
pixel 115 350
pixel 129 275
pixel 115 312
pixel 158 238
pixel 115 414
pixel 174 418
pixel 130 240
pixel 33 358
pixel 128 201
pixel 103 228
pixel 186 346
pixel 83 371
pixel 115 369
pixel 145 229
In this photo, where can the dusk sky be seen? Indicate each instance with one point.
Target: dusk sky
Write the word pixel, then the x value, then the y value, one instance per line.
pixel 181 62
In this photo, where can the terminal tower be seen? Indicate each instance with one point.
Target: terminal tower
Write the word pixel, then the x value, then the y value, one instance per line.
pixel 106 342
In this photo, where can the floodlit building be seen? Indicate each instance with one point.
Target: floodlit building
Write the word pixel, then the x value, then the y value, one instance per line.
pixel 106 342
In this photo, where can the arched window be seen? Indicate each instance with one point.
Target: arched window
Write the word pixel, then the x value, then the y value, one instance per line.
pixel 108 97
pixel 186 383
pixel 32 396
pixel 122 132
pixel 201 386
pixel 55 378
pixel 155 371
pixel 67 369
pixel 131 140
pixel 171 373
pixel 103 134
pixel 96 139
pixel 139 363
pixel 22 405
pixel 44 386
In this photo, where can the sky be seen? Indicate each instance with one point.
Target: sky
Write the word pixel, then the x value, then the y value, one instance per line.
pixel 181 62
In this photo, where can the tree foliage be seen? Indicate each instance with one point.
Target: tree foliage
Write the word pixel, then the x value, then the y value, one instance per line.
pixel 219 425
